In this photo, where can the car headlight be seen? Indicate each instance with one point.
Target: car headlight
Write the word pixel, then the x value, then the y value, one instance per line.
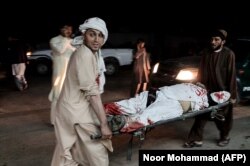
pixel 187 74
pixel 28 53
pixel 156 66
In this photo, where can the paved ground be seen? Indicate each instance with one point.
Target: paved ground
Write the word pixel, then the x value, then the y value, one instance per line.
pixel 27 139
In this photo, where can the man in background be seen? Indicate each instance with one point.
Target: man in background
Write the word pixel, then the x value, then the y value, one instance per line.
pixel 17 55
pixel 61 52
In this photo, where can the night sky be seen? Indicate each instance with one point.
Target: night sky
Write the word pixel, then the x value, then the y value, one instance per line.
pixel 41 24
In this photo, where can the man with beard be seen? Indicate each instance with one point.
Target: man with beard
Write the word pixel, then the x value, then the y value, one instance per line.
pixel 217 73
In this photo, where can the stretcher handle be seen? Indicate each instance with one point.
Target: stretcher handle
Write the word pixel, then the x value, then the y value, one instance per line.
pixel 219 117
pixel 96 136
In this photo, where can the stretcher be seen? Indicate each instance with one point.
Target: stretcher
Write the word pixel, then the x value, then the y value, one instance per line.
pixel 141 132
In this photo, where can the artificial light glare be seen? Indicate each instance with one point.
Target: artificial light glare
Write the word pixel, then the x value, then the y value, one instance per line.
pixel 187 74
pixel 156 66
pixel 28 54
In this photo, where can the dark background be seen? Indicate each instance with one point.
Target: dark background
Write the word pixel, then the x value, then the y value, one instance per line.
pixel 42 26
pixel 39 21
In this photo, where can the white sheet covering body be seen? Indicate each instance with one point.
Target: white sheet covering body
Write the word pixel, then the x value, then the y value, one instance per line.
pixel 166 105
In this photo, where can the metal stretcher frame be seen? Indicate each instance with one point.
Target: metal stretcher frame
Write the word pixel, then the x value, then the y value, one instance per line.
pixel 141 132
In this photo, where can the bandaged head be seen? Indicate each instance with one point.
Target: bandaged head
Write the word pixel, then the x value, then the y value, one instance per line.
pixel 95 23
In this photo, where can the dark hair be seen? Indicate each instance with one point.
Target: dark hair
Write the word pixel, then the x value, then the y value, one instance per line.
pixel 146 44
pixel 140 40
pixel 219 33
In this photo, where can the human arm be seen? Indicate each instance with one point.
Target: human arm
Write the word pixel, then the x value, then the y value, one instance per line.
pixel 61 44
pixel 139 52
pixel 232 78
pixel 96 103
pixel 137 55
pixel 87 72
pixel 148 61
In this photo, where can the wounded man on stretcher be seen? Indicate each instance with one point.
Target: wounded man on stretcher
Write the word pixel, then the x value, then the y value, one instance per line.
pixel 163 103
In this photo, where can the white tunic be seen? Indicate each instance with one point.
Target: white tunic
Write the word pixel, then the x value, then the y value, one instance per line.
pixel 61 52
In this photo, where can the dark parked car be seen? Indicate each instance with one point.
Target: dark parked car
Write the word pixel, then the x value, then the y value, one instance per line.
pixel 185 69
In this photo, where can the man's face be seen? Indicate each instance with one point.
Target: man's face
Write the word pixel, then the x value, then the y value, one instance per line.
pixel 141 45
pixel 93 39
pixel 66 31
pixel 216 43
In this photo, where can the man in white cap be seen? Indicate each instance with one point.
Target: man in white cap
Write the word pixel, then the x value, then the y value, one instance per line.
pixel 80 112
pixel 217 73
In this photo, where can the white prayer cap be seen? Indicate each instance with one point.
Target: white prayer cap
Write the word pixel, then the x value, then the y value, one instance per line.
pixel 95 23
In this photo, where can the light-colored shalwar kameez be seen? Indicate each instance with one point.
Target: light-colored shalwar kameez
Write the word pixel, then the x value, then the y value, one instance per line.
pixel 61 52
pixel 75 118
